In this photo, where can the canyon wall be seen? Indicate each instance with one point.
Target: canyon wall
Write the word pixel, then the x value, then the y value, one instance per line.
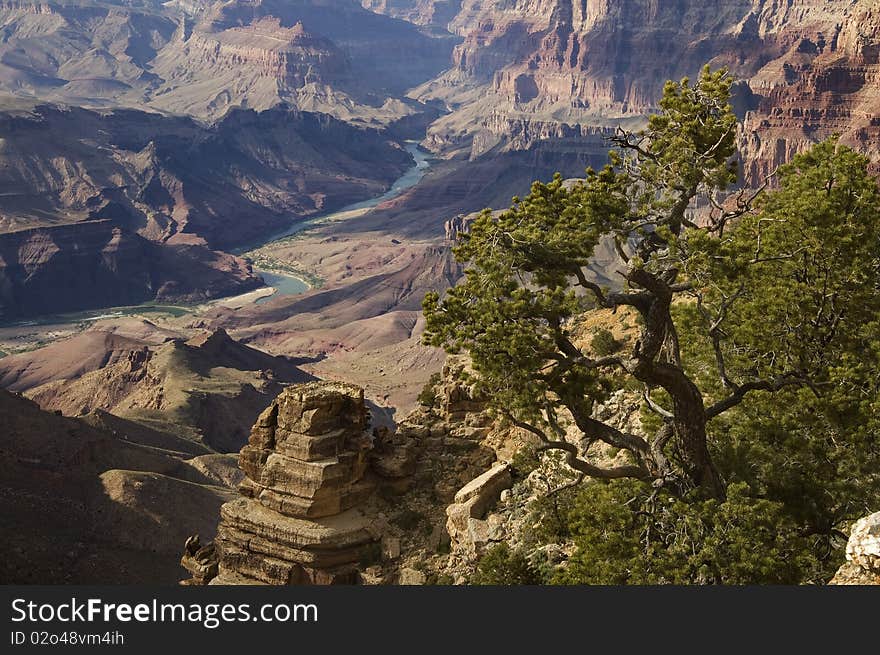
pixel 828 82
pixel 171 179
pixel 96 264
pixel 203 58
pixel 809 66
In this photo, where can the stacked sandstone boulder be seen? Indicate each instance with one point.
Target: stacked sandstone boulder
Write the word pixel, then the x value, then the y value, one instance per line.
pixel 297 521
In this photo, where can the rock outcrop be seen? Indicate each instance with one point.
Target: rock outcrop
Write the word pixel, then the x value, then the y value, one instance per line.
pixel 467 451
pixel 468 528
pixel 325 500
pixel 201 561
pixel 862 565
pixel 297 521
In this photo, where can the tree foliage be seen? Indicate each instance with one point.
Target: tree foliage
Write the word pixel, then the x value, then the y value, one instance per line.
pixel 504 566
pixel 626 535
pixel 603 343
pixel 758 349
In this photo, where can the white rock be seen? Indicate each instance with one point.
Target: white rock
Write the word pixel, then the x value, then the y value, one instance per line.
pixel 863 547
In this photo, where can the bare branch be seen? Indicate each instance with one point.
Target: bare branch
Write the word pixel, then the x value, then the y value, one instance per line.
pixel 654 407
pixel 734 399
pixel 578 464
pixel 590 286
pixel 572 459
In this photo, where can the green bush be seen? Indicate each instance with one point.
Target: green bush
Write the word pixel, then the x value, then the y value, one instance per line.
pixel 627 534
pixel 428 395
pixel 503 566
pixel 524 461
pixel 604 343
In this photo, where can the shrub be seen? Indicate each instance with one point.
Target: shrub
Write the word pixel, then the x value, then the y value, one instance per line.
pixel 627 534
pixel 428 395
pixel 604 343
pixel 503 566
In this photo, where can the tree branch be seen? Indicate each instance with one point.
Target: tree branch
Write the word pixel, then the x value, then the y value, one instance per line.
pixel 734 399
pixel 575 462
pixel 657 409
pixel 590 286
pixel 617 472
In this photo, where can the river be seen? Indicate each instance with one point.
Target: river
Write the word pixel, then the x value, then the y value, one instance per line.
pixel 283 284
pixel 291 285
pixel 404 182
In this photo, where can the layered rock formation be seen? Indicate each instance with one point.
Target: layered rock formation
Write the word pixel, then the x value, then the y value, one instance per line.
pixel 862 565
pixel 255 65
pixel 827 82
pixel 297 521
pixel 810 66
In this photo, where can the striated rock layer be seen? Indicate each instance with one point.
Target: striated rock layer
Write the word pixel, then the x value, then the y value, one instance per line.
pixel 297 521
pixel 828 82
pixel 809 67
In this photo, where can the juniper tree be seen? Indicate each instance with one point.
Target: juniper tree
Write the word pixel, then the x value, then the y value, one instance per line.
pixel 780 288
